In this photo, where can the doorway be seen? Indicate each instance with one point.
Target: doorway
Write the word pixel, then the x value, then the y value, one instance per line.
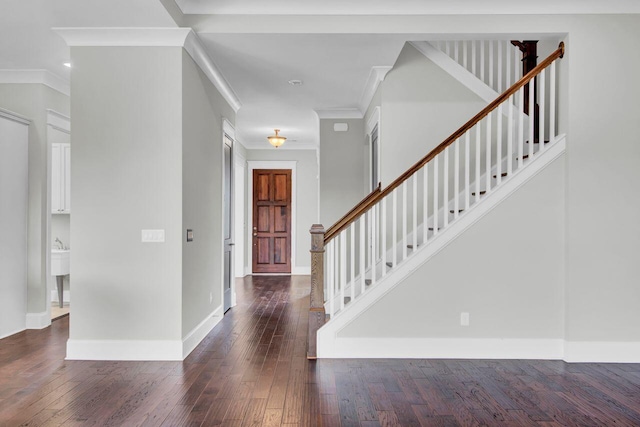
pixel 228 223
pixel 271 228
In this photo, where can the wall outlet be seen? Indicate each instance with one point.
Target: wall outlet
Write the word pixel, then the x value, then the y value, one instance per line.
pixel 464 319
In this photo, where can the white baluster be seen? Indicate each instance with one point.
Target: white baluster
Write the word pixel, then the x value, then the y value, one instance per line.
pixel 425 202
pixel 330 276
pixel 552 102
pixel 465 54
pixel 499 47
pixel 404 220
pixel 488 155
pixel 499 145
pixel 383 236
pixel 541 91
pixel 352 260
pixel 343 266
pixel 447 48
pixel 473 57
pixel 482 74
pixel 507 62
pixel 532 115
pixel 456 178
pixel 510 136
pixel 467 167
pixel 363 249
pixel 435 195
pixel 478 153
pixel 520 126
pixel 491 82
pixel 445 187
pixel 414 217
pixel 394 230
pixel 456 55
pixel 372 213
pixel 516 65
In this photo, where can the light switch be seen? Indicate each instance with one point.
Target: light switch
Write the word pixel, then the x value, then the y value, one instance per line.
pixel 152 236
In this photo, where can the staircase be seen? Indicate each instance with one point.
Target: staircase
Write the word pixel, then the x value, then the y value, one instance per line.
pixel 394 230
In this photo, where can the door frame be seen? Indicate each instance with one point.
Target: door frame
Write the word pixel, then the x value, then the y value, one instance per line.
pixel 230 131
pixel 372 123
pixel 271 164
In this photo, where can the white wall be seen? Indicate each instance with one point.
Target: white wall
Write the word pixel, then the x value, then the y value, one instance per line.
pixel 341 168
pixel 14 175
pixel 203 109
pixel 32 101
pixel 421 105
pixel 306 199
pixel 506 271
pixel 126 170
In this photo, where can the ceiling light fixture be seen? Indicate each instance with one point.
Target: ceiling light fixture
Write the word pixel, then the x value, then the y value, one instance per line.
pixel 276 140
pixel 67 64
pixel 295 82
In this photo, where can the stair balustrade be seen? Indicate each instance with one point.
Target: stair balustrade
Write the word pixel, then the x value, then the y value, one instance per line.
pixel 391 225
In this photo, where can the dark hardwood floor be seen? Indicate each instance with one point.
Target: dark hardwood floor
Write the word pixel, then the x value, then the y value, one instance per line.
pixel 252 370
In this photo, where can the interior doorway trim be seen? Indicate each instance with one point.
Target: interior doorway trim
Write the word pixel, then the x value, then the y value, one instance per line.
pixel 273 164
pixel 372 124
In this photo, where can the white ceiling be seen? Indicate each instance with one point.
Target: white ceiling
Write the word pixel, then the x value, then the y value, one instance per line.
pixel 334 69
pixel 404 7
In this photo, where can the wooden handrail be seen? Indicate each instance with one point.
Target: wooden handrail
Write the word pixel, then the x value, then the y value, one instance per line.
pixel 371 201
pixel 347 217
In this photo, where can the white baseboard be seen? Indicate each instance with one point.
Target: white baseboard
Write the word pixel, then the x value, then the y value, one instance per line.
pixel 8 334
pixel 38 320
pixel 66 296
pixel 441 348
pixel 301 271
pixel 602 352
pixel 193 338
pixel 124 350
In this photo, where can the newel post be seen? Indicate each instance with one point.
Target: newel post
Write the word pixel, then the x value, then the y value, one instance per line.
pixel 316 307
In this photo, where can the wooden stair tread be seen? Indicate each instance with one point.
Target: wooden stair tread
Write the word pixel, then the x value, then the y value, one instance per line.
pixel 503 174
pixel 536 142
pixel 453 210
pixel 482 192
pixel 431 228
pixel 389 264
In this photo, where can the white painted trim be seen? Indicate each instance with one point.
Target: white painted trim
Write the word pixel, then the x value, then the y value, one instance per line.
pixel 602 352
pixel 196 50
pixel 228 128
pixel 329 332
pixel 340 113
pixel 443 348
pixel 300 271
pixel 373 121
pixel 288 146
pixel 371 124
pixel 38 320
pixel 376 76
pixel 123 36
pixel 8 334
pixel 232 274
pixel 10 115
pixel 166 37
pixel 272 164
pixel 66 296
pixel 59 121
pixel 124 350
pixel 44 77
pixel 197 334
pixel 456 70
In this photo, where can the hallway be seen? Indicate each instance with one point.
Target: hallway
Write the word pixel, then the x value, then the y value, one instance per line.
pixel 252 370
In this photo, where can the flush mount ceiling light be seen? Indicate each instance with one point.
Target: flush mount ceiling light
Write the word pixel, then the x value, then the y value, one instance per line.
pixel 276 140
pixel 295 82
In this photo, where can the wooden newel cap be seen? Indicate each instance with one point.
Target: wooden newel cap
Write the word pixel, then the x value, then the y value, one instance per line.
pixel 317 229
pixel 561 46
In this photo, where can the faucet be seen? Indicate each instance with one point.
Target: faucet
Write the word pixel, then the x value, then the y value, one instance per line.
pixel 59 244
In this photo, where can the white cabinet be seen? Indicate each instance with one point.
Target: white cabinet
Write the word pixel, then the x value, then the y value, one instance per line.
pixel 60 178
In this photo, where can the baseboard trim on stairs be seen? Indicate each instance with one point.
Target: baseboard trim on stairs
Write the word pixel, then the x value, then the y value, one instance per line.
pixel 443 348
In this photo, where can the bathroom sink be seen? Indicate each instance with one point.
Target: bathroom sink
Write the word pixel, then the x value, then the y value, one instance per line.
pixel 60 262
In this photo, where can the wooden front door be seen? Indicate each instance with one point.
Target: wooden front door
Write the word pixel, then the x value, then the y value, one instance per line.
pixel 272 221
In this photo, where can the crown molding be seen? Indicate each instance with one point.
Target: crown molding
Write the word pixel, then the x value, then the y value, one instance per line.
pixel 165 37
pixel 196 50
pixel 376 76
pixel 14 116
pixel 119 36
pixel 59 121
pixel 340 113
pixel 44 77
